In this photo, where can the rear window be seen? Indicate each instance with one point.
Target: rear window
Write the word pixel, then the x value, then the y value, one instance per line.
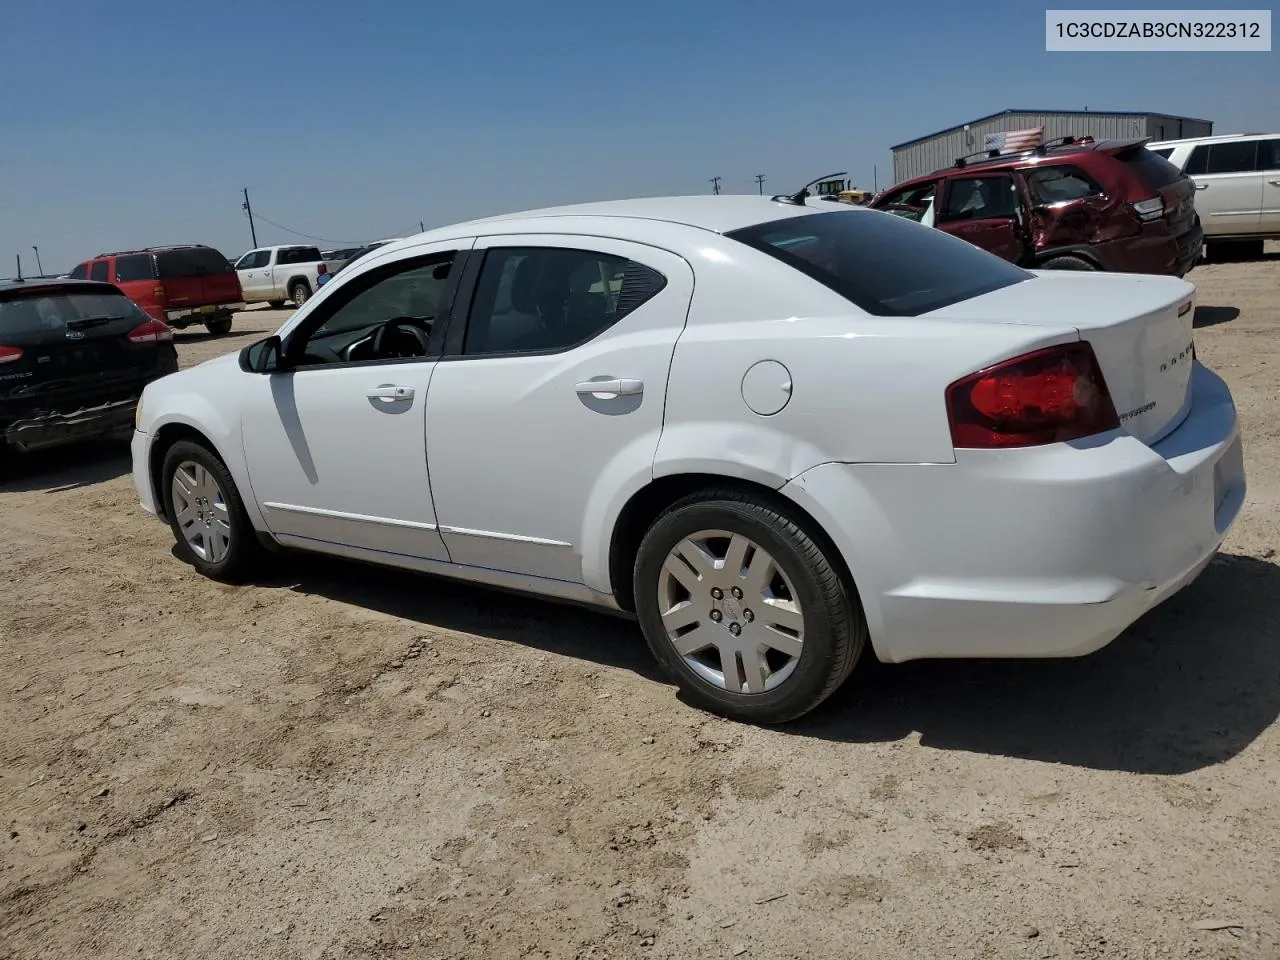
pixel 195 262
pixel 1153 170
pixel 51 311
pixel 886 265
pixel 298 255
pixel 136 266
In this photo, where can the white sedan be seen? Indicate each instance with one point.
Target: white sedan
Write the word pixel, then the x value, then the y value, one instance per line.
pixel 777 432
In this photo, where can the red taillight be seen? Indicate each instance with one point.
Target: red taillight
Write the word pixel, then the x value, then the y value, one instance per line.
pixel 10 354
pixel 322 269
pixel 153 331
pixel 1048 396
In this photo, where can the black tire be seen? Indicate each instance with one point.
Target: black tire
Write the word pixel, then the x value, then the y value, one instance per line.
pixel 835 630
pixel 276 304
pixel 219 327
pixel 1066 263
pixel 299 292
pixel 244 551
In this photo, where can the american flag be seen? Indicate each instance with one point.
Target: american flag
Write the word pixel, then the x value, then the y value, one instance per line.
pixel 1012 141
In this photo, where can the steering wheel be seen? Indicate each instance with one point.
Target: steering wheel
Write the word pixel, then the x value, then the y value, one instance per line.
pixel 398 324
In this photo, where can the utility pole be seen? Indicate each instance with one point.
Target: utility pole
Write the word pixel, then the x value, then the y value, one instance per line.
pixel 19 266
pixel 760 178
pixel 715 186
pixel 253 234
pixel 421 227
pixel 39 265
pixel 875 179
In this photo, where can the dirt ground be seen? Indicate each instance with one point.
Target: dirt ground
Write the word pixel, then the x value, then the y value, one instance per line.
pixel 347 762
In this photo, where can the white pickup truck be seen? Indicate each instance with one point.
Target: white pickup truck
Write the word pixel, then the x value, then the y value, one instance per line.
pixel 280 273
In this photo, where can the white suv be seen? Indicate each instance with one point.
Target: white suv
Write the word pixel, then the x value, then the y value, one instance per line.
pixel 1237 187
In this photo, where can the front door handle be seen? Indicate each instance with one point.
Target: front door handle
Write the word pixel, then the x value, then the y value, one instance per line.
pixel 1274 183
pixel 610 388
pixel 389 392
pixel 1202 186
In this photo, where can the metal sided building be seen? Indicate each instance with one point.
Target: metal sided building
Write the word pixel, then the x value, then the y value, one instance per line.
pixel 937 150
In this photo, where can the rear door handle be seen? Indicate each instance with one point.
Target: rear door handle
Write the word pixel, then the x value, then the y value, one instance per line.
pixel 610 388
pixel 390 392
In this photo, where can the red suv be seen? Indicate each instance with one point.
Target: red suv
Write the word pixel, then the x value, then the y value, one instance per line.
pixel 181 286
pixel 1067 205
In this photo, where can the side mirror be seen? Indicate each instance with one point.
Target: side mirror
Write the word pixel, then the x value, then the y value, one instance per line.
pixel 263 356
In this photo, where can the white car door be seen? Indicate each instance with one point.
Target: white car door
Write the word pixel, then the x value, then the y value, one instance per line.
pixel 1228 187
pixel 335 445
pixel 1269 166
pixel 255 274
pixel 554 389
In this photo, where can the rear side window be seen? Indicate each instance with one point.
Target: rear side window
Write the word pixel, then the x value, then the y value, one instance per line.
pixel 193 262
pixel 289 255
pixel 98 270
pixel 886 265
pixel 1060 184
pixel 1153 170
pixel 50 312
pixel 136 266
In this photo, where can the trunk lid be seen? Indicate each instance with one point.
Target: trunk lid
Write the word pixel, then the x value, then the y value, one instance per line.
pixel 1140 328
pixel 64 343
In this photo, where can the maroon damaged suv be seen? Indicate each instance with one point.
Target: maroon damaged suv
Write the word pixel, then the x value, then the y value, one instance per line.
pixel 1067 205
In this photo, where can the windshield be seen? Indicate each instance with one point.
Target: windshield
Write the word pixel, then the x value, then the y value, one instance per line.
pixel 886 265
pixel 51 311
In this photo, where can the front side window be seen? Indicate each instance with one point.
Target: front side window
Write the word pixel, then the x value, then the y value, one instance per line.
pixel 911 203
pixel 547 299
pixel 80 272
pixel 1059 184
pixel 977 198
pixel 1269 154
pixel 883 264
pixel 389 316
pixel 1239 156
pixel 254 259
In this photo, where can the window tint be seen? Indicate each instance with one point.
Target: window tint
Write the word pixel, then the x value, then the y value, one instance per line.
pixel 298 255
pixel 544 299
pixel 1269 155
pixel 35 313
pixel 911 203
pixel 137 266
pixel 414 293
pixel 1059 184
pixel 1198 161
pixel 978 198
pixel 1165 152
pixel 883 264
pixel 1237 157
pixel 193 262
pixel 80 272
pixel 98 270
pixel 1153 170
pixel 254 259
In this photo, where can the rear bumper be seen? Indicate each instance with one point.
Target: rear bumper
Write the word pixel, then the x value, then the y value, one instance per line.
pixel 59 429
pixel 1046 552
pixel 190 316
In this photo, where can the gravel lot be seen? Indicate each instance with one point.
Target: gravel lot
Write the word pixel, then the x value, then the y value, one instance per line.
pixel 346 762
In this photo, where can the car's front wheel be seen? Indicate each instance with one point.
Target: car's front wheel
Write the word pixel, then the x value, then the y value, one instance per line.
pixel 206 514
pixel 219 327
pixel 744 609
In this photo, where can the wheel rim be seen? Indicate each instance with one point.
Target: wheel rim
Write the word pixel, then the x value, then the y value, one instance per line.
pixel 201 511
pixel 299 294
pixel 731 612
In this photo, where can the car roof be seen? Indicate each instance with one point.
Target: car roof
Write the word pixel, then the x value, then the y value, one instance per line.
pixel 1051 151
pixel 161 249
pixel 1216 138
pixel 717 213
pixel 8 287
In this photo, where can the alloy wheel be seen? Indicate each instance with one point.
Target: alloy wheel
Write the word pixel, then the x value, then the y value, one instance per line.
pixel 201 511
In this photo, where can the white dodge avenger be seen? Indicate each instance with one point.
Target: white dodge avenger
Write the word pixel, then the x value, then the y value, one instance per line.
pixel 779 432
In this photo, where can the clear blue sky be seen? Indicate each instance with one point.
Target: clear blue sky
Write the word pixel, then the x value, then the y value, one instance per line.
pixel 137 122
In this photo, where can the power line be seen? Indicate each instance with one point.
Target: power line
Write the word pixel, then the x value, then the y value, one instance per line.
pixel 299 233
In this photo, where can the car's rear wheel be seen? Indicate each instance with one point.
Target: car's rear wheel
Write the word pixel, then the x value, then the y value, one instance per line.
pixel 206 514
pixel 299 293
pixel 1066 263
pixel 219 327
pixel 744 609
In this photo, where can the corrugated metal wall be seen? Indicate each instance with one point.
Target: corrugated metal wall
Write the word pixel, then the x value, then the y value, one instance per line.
pixel 941 151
